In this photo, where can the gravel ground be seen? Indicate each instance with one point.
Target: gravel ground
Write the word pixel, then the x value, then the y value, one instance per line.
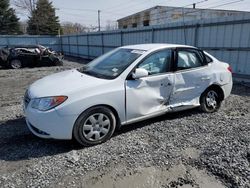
pixel 187 149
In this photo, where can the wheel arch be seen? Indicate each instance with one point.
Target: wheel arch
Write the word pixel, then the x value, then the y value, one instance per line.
pixel 218 89
pixel 118 125
pixel 107 106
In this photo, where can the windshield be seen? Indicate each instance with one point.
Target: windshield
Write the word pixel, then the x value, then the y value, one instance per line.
pixel 112 64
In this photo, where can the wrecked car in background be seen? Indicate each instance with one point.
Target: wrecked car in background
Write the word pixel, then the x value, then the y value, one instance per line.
pixel 16 57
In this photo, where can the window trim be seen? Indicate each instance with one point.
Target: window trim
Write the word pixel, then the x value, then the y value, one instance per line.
pixel 145 23
pixel 203 59
pixel 207 57
pixel 129 76
pixel 134 25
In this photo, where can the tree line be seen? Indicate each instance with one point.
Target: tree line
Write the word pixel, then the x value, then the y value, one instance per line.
pixel 42 19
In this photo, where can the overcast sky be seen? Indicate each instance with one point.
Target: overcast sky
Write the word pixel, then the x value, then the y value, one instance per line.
pixel 85 11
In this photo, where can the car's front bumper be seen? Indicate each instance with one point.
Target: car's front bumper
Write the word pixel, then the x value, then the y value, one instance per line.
pixel 49 124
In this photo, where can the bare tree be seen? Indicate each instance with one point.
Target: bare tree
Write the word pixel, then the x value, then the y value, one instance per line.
pixel 92 28
pixel 73 28
pixel 111 25
pixel 25 7
pixel 23 27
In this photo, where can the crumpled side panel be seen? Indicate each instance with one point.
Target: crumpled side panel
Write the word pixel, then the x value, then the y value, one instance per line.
pixel 148 95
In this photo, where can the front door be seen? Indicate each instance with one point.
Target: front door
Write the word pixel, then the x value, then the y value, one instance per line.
pixel 150 95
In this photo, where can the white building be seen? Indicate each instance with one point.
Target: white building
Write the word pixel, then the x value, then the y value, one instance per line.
pixel 163 14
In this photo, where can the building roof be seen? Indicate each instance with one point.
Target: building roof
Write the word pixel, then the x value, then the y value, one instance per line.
pixel 155 7
pixel 173 8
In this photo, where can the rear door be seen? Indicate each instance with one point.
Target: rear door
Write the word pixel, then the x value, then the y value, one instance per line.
pixel 192 76
pixel 150 95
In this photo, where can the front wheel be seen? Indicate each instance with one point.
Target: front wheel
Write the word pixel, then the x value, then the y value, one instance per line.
pixel 94 126
pixel 15 64
pixel 210 101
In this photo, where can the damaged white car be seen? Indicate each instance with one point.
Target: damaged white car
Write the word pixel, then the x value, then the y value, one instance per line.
pixel 126 85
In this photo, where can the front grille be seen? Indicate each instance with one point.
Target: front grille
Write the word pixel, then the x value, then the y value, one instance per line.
pixel 26 99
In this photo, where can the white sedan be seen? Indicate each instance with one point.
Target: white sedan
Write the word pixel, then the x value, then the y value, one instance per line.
pixel 123 86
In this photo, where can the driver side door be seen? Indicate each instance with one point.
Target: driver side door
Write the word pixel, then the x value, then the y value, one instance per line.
pixel 149 96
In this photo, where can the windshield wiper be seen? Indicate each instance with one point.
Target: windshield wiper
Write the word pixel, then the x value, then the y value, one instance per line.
pixel 91 73
pixel 85 70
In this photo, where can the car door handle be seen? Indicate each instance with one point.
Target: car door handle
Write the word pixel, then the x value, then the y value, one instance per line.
pixel 205 78
pixel 165 85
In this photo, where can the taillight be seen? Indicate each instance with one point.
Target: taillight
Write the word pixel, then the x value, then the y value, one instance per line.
pixel 229 69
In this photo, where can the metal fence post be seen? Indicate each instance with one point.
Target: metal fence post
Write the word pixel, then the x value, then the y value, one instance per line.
pixel 196 34
pixel 121 33
pixel 152 35
pixel 102 43
pixel 69 46
pixel 88 45
pixel 8 42
pixel 61 44
pixel 77 44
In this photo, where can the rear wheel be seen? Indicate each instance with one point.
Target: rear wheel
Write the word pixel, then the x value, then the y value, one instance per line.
pixel 15 64
pixel 94 126
pixel 59 63
pixel 210 101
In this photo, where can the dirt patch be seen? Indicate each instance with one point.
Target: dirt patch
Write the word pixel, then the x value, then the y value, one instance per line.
pixel 178 176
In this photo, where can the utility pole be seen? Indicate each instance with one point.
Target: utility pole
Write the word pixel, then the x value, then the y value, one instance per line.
pixel 99 22
pixel 184 26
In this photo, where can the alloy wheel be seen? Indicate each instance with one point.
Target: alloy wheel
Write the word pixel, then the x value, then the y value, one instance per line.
pixel 211 99
pixel 16 64
pixel 96 127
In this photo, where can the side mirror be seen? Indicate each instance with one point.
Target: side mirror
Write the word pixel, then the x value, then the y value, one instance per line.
pixel 139 73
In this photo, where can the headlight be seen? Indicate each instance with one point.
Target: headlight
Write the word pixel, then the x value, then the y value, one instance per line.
pixel 47 103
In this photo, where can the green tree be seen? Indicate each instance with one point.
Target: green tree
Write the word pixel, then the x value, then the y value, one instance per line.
pixel 43 20
pixel 9 24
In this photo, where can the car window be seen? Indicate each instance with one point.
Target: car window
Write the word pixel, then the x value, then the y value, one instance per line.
pixel 158 62
pixel 188 59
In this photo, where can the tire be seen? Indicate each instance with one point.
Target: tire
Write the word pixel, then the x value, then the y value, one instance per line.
pixel 94 126
pixel 15 64
pixel 210 101
pixel 59 63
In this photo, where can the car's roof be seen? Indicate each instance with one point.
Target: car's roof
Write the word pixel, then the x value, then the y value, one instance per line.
pixel 155 46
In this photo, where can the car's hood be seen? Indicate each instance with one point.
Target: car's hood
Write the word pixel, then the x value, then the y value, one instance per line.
pixel 63 83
